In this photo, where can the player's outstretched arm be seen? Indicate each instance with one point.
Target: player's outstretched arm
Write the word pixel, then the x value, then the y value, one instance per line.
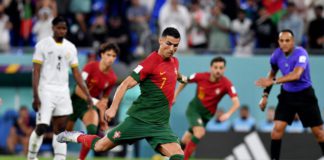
pixel 265 82
pixel 128 83
pixel 292 76
pixel 102 106
pixel 36 76
pixel 81 84
pixel 264 100
pixel 234 107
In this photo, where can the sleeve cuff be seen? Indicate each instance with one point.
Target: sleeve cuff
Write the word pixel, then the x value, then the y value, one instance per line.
pixel 74 65
pixel 37 61
pixel 135 76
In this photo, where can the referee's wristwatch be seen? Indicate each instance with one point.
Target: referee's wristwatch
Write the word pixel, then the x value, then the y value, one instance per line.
pixel 265 95
pixel 274 81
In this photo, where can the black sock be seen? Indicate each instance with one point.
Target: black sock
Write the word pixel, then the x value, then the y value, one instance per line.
pixel 275 149
pixel 322 147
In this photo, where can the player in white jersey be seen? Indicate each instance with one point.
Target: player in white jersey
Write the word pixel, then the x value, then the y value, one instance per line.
pixel 51 61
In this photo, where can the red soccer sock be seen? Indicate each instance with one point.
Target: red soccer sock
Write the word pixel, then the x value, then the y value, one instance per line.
pixel 83 152
pixel 190 147
pixel 91 130
pixel 88 140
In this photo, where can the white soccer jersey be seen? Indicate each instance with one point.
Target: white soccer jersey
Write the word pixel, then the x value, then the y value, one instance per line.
pixel 56 58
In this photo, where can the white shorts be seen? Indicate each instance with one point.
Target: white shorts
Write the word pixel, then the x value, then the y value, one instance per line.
pixel 53 104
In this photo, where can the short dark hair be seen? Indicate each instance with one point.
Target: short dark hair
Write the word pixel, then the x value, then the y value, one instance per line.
pixel 287 30
pixel 218 59
pixel 171 31
pixel 58 20
pixel 107 46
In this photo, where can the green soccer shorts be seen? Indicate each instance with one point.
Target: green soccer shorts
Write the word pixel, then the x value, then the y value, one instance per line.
pixel 132 130
pixel 80 107
pixel 197 117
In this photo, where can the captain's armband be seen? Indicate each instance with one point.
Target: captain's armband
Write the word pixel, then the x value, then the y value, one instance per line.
pixel 183 79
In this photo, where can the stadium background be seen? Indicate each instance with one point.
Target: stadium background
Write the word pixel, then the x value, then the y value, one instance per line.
pixel 15 77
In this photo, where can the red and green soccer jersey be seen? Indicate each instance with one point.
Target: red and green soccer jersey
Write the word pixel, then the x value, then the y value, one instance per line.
pixel 157 78
pixel 99 84
pixel 210 93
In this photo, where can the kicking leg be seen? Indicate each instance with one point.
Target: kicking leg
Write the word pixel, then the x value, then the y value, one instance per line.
pixel 91 141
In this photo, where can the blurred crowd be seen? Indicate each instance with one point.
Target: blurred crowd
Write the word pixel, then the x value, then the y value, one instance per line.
pixel 16 128
pixel 235 26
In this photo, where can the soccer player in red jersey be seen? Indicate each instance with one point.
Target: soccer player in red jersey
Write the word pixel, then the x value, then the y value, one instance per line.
pixel 100 79
pixel 149 115
pixel 211 87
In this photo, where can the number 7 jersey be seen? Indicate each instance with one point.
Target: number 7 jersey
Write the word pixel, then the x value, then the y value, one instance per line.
pixel 157 78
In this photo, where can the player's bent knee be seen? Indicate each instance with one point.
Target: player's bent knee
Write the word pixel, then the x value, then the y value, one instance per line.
pixel 41 129
pixel 186 137
pixel 185 140
pixel 277 133
pixel 200 133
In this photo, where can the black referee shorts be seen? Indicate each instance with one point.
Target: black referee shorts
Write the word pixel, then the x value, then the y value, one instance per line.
pixel 304 103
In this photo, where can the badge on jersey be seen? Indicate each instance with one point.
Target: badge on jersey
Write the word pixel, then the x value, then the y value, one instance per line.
pixel 138 69
pixel 233 89
pixel 192 76
pixel 106 85
pixel 84 75
pixel 302 59
pixel 117 134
